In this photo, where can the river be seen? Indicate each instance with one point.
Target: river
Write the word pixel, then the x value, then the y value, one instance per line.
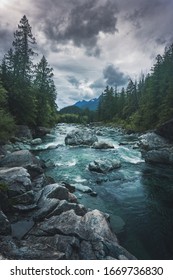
pixel 138 196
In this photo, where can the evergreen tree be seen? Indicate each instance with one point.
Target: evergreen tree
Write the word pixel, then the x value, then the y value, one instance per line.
pixel 46 93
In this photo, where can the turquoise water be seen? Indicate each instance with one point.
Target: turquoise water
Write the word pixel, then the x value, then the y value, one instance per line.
pixel 138 197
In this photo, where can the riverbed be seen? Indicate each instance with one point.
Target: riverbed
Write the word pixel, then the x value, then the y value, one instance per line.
pixel 138 196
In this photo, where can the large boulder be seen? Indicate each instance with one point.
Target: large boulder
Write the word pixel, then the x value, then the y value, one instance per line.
pixel 17 180
pixel 102 145
pixel 166 130
pixel 19 158
pixel 104 166
pixel 151 140
pixel 80 137
pixel 17 188
pixel 164 156
pixel 91 235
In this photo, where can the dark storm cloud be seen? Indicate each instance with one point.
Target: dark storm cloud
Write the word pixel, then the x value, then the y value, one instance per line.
pixel 152 20
pixel 81 23
pixel 114 77
pixel 73 81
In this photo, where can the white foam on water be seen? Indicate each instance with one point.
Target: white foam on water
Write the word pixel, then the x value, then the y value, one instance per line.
pixel 78 179
pixel 71 163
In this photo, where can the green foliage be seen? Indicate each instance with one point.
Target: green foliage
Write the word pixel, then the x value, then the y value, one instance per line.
pixel 45 94
pixel 3 186
pixel 30 90
pixel 72 118
pixel 7 126
pixel 143 105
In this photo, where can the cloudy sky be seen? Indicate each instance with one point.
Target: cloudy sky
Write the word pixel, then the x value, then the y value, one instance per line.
pixel 92 43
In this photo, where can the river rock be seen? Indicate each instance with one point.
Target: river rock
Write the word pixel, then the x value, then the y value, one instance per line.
pixel 21 228
pixel 104 166
pixel 164 156
pixel 5 227
pixel 17 180
pixel 55 191
pixel 64 206
pixel 26 198
pixel 46 207
pixel 80 137
pixel 82 188
pixel 19 158
pixel 102 145
pixel 166 130
pixel 151 140
pixel 36 141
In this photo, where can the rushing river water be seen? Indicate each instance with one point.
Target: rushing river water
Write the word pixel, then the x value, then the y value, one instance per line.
pixel 138 197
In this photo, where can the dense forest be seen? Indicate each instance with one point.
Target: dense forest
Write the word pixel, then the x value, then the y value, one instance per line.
pixel 145 104
pixel 27 90
pixel 28 93
pixel 142 105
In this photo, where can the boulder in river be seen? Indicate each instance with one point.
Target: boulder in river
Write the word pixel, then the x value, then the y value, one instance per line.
pixel 151 140
pixel 19 158
pixel 102 145
pixel 164 156
pixel 36 141
pixel 104 166
pixel 17 180
pixel 80 137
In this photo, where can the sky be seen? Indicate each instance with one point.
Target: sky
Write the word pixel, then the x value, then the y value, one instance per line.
pixel 92 43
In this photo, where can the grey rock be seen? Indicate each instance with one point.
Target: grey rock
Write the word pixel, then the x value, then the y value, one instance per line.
pixel 21 228
pixel 80 137
pixel 151 140
pixel 164 156
pixel 72 198
pixel 86 251
pixel 36 141
pixel 92 226
pixel 5 227
pixel 26 198
pixel 25 208
pixel 48 205
pixel 33 249
pixel 55 191
pixel 102 145
pixel 65 206
pixel 82 188
pixel 19 158
pixel 104 166
pixel 17 180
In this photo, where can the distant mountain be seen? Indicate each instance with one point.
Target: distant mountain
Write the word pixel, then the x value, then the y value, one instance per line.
pixel 91 104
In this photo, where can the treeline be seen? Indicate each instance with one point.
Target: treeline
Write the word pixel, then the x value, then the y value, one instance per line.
pixel 27 90
pixel 144 104
pixel 73 114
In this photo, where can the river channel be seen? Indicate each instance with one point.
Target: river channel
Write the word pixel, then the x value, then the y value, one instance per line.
pixel 138 196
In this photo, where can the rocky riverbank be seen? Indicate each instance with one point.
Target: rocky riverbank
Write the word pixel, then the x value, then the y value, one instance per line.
pixel 42 219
